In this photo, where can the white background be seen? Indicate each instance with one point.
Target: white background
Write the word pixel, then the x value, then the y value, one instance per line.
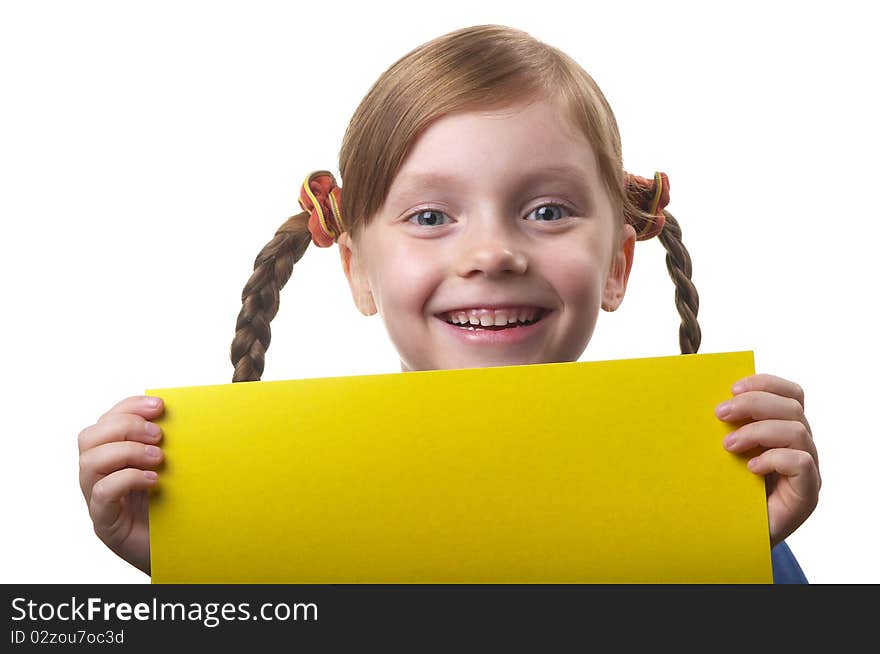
pixel 149 150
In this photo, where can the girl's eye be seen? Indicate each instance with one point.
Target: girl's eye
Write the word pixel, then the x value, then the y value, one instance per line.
pixel 544 213
pixel 427 218
pixel 549 212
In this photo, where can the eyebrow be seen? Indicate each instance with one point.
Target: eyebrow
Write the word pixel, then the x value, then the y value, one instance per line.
pixel 416 182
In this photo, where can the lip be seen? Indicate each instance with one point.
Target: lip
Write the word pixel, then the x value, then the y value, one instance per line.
pixel 508 336
pixel 493 307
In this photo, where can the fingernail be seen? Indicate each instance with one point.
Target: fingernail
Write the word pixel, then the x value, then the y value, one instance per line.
pixel 149 474
pixel 153 402
pixel 730 440
pixel 738 387
pixel 153 451
pixel 723 410
pixel 151 429
pixel 753 463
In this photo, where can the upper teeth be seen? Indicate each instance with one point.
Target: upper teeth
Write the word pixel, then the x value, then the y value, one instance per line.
pixel 491 317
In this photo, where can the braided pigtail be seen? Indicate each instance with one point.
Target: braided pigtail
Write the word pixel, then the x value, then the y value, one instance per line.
pixel 320 223
pixel 678 263
pixel 646 199
pixel 260 297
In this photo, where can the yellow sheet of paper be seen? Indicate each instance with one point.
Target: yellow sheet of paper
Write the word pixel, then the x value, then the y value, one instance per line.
pixel 609 472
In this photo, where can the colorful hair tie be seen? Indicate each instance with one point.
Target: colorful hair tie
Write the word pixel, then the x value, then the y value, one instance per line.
pixel 321 197
pixel 651 196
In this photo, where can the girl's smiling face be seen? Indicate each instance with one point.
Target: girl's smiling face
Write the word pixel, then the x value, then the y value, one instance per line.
pixel 494 216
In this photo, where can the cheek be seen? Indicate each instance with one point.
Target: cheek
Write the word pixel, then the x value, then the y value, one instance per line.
pixel 577 281
pixel 402 279
pixel 577 277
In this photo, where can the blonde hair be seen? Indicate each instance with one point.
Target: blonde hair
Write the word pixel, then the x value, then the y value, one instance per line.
pixel 481 67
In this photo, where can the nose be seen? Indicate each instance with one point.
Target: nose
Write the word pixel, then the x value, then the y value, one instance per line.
pixel 490 251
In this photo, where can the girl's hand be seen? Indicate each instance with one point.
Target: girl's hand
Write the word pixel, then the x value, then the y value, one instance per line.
pixel 115 456
pixel 769 412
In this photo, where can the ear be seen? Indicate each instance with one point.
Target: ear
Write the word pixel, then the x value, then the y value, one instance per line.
pixel 356 275
pixel 618 273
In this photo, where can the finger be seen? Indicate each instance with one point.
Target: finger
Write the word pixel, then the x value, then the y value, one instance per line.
pixel 770 384
pixel 102 460
pixel 760 405
pixel 795 489
pixel 771 434
pixel 119 427
pixel 141 404
pixel 105 505
pixel 775 385
pixel 797 466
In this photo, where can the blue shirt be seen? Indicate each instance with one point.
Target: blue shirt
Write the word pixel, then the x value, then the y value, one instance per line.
pixel 786 569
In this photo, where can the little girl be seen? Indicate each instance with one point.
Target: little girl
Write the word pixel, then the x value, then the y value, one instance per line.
pixel 486 216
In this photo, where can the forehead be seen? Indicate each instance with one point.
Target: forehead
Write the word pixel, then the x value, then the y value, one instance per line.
pixel 535 139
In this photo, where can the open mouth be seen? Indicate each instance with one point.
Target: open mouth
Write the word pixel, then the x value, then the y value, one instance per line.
pixel 493 319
